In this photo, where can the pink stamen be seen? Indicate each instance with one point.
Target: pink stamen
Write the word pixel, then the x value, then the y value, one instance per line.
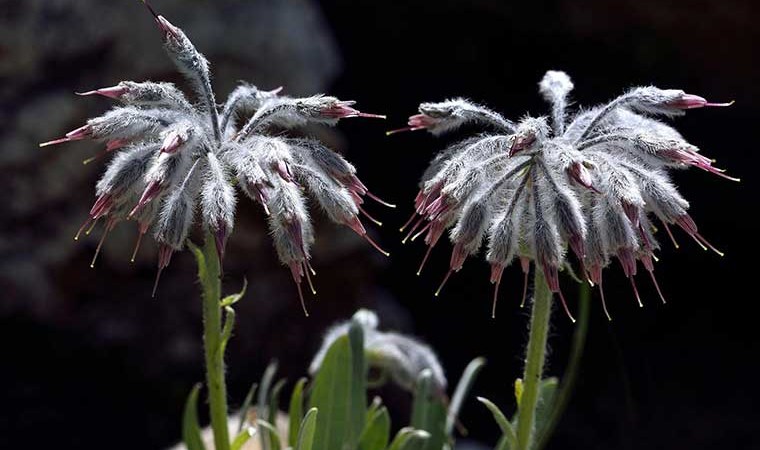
pixel 308 277
pixel 496 272
pixel 379 200
pixel 411 231
pixel 414 214
pixel 371 116
pixel 672 238
pixel 424 259
pixel 657 286
pixel 424 229
pixel 443 283
pixel 109 226
pixel 84 225
pixel 296 271
pixel 708 244
pixel 369 216
pixel 564 305
pixel 374 244
pixel 140 235
pixel 401 130
pixel 636 291
pixel 525 265
pixel 604 303
pixel 164 258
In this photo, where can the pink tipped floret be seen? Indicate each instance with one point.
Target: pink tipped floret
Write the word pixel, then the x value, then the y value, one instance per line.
pixel 416 122
pixel 172 143
pixel 691 101
pixel 114 92
pixel 80 133
pixel 150 193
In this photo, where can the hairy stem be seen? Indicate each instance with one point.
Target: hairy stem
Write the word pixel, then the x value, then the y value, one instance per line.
pixel 208 274
pixel 534 360
pixel 571 372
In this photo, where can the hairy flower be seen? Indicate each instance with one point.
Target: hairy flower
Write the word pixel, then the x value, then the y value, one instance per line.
pixel 402 357
pixel 534 189
pixel 175 158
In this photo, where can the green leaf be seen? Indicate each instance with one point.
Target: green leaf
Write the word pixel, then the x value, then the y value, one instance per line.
pixel 261 405
pixel 372 409
pixel 339 392
pixel 429 412
pixel 295 412
pixel 460 393
pixel 234 298
pixel 305 439
pixel 246 406
pixel 547 392
pixel 409 439
pixel 507 430
pixel 377 432
pixel 242 438
pixel 271 431
pixel 274 401
pixel 191 430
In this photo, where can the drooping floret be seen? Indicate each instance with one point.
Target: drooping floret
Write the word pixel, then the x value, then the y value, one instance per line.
pixel 176 159
pixel 534 190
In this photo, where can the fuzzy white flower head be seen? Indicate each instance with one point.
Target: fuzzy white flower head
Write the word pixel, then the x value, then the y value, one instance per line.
pixel 535 189
pixel 175 158
pixel 402 357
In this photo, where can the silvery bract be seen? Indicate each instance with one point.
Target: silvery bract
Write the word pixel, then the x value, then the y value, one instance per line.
pixel 591 182
pixel 175 157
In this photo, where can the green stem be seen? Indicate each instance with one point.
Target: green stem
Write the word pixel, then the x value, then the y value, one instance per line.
pixel 571 372
pixel 208 274
pixel 534 361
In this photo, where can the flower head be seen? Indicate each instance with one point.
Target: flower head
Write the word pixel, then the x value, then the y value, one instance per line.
pixel 402 357
pixel 539 188
pixel 176 160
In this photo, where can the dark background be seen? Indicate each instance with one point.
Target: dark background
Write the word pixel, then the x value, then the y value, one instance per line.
pixel 89 360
